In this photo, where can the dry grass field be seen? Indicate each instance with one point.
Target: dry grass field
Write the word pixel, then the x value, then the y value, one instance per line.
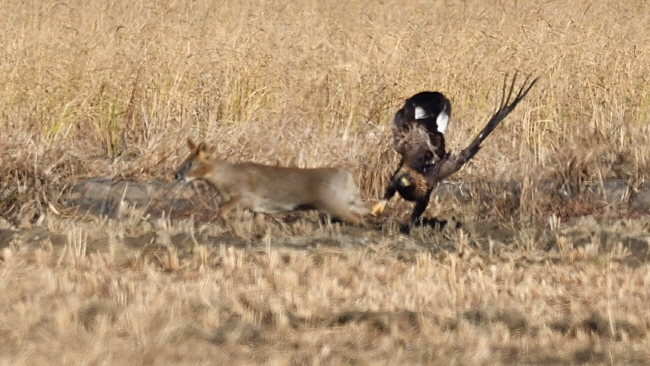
pixel 547 276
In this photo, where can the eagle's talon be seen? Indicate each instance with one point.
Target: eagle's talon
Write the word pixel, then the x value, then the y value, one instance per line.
pixel 378 209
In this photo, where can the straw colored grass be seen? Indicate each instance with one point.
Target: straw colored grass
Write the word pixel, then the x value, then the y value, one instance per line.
pixel 111 293
pixel 114 89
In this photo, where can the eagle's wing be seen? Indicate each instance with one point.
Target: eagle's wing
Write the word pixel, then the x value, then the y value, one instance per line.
pixel 419 127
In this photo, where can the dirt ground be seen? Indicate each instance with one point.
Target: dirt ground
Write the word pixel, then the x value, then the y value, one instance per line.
pixel 178 201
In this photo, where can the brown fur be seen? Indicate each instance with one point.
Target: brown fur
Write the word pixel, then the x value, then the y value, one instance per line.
pixel 272 189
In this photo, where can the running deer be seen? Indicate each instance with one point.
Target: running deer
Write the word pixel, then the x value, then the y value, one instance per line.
pixel 273 189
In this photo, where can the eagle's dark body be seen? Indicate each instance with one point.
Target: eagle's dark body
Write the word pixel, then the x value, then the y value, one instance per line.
pixel 419 137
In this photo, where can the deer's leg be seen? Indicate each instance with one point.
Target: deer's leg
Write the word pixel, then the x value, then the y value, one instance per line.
pixel 232 203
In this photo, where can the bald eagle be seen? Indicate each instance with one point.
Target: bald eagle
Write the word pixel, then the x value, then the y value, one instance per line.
pixel 419 138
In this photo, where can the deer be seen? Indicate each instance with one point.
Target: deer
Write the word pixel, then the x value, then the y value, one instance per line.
pixel 274 189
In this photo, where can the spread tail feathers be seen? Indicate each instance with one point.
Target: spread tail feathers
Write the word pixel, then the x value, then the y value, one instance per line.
pixel 454 163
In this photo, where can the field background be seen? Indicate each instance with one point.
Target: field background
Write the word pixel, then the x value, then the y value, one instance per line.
pixel 113 88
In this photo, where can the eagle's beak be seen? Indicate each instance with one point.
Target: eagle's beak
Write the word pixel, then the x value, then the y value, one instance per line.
pixel 405 182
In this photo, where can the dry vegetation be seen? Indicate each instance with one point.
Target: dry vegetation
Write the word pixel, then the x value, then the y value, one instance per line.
pixel 113 89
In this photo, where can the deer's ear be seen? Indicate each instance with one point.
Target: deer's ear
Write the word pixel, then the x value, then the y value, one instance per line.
pixel 191 145
pixel 203 149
